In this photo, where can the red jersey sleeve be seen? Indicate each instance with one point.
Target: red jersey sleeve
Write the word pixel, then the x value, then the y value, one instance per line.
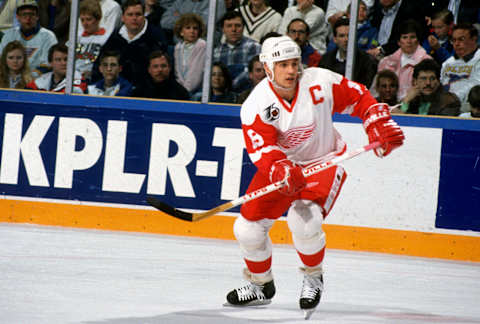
pixel 352 98
pixel 261 144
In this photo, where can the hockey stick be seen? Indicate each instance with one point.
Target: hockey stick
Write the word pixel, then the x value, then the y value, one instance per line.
pixel 194 217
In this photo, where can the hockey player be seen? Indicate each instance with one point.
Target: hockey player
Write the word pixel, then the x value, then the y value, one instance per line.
pixel 287 126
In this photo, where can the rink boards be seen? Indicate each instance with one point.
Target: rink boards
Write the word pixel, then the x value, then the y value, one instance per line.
pixel 89 162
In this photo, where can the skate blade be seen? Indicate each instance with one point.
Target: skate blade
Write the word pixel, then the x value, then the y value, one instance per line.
pixel 251 304
pixel 307 313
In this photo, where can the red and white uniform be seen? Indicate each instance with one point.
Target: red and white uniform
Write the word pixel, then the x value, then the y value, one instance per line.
pixel 301 131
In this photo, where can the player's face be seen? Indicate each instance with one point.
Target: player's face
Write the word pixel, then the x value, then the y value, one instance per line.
pixel 341 39
pixel 463 43
pixel 59 64
pixel 286 73
pixel 190 33
pixel 298 32
pixel 441 28
pixel 134 19
pixel 90 24
pixel 387 89
pixel 15 60
pixel 28 18
pixel 233 30
pixel 427 82
pixel 408 43
pixel 159 69
pixel 258 73
pixel 110 68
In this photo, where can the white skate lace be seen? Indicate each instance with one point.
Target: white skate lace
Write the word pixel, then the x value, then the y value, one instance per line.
pixel 250 292
pixel 311 285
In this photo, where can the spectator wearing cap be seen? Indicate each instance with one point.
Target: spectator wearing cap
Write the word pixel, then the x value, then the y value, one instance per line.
pixel 36 39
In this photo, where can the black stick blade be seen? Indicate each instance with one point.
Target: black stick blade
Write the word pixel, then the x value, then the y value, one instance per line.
pixel 167 209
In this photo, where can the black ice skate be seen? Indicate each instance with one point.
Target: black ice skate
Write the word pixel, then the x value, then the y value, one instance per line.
pixel 259 291
pixel 311 290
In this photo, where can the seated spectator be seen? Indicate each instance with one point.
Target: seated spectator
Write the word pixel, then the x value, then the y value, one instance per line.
pixel 462 71
pixel 438 44
pixel 180 7
pixel 386 85
pixel 55 80
pixel 335 60
pixel 135 40
pixel 406 57
pixel 299 31
pixel 221 85
pixel 237 50
pixel 366 33
pixel 256 73
pixel 54 15
pixel 314 17
pixel 14 69
pixel 259 19
pixel 474 102
pixel 112 83
pixel 189 54
pixel 7 14
pixel 37 40
pixel 426 96
pixel 388 16
pixel 91 40
pixel 161 83
pixel 111 16
pixel 336 9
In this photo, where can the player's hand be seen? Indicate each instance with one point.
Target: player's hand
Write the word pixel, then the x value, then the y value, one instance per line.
pixel 380 127
pixel 289 172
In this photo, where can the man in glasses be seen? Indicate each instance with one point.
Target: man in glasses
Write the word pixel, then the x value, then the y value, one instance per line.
pixel 112 83
pixel 426 96
pixel 461 71
pixel 37 40
pixel 299 31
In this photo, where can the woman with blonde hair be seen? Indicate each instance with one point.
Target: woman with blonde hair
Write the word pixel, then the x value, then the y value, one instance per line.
pixel 14 68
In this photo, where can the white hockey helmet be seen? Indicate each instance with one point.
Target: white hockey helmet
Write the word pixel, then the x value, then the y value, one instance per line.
pixel 275 49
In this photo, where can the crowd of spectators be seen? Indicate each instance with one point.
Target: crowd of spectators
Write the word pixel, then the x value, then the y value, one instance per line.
pixel 420 56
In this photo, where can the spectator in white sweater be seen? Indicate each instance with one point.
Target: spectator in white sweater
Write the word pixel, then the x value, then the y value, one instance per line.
pixel 314 17
pixel 189 53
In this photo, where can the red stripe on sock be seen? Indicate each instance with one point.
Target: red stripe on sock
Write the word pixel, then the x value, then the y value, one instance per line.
pixel 259 267
pixel 312 260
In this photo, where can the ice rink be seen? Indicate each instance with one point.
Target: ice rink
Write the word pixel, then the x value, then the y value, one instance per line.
pixel 60 275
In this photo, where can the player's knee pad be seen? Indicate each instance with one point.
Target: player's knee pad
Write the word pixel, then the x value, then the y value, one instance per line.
pixel 253 238
pixel 305 220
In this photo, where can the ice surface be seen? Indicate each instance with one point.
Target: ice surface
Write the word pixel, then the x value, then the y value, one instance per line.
pixel 61 275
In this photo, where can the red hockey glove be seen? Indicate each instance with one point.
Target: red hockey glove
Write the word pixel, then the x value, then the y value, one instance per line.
pixel 292 175
pixel 380 127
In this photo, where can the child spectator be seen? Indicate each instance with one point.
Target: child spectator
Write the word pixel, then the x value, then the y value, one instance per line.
pixel 112 83
pixel 438 44
pixel 92 38
pixel 386 85
pixel 189 54
pixel 14 69
pixel 111 16
pixel 474 102
pixel 55 80
pixel 406 57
